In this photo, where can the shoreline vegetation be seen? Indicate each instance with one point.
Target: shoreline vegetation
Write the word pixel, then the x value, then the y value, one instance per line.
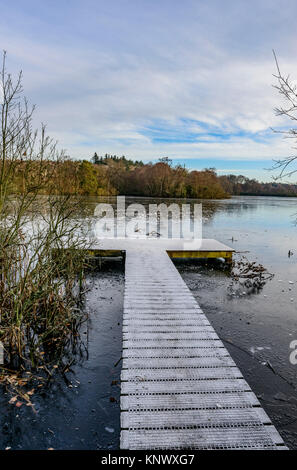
pixel 41 295
pixel 112 175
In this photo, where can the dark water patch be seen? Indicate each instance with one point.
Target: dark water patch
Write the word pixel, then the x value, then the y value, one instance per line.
pixel 85 414
pixel 258 341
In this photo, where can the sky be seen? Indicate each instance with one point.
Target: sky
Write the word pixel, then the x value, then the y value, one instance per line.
pixel 191 80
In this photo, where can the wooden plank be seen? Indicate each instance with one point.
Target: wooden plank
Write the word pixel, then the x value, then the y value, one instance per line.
pixel 161 283
pixel 105 253
pixel 156 286
pixel 169 318
pixel 153 320
pixel 174 343
pixel 190 401
pixel 170 336
pixel 174 352
pixel 200 254
pixel 158 311
pixel 149 324
pixel 180 373
pixel 257 437
pixel 171 297
pixel 167 329
pixel 177 362
pixel 159 306
pixel 145 321
pixel 181 303
pixel 174 387
pixel 180 419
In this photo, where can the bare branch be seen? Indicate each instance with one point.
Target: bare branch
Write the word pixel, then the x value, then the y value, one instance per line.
pixel 288 91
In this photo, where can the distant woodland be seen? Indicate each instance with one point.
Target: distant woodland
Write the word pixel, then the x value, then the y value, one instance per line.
pixel 111 175
pixel 241 185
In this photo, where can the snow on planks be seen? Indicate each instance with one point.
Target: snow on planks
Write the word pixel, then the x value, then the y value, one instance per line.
pixel 180 388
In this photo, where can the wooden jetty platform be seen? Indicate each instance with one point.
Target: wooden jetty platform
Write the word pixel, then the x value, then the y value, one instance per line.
pixel 175 248
pixel 180 388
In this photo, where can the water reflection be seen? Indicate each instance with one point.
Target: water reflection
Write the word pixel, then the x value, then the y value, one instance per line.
pixel 210 208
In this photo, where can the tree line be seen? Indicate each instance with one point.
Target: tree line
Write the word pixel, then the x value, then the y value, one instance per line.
pixel 242 186
pixel 110 175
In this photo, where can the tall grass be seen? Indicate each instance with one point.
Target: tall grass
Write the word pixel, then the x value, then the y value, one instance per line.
pixel 41 248
pixel 41 275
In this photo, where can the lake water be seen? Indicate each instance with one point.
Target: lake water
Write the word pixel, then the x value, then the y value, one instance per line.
pixel 257 328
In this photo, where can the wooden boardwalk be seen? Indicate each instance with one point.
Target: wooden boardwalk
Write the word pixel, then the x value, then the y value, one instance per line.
pixel 176 248
pixel 180 388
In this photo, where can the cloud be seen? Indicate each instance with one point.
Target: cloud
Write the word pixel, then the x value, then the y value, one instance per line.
pixel 184 79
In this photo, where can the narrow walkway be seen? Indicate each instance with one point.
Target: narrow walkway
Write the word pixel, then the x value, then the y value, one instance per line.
pixel 180 387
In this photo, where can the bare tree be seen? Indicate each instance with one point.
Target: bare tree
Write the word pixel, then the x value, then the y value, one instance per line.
pixel 42 248
pixel 288 91
pixel 24 151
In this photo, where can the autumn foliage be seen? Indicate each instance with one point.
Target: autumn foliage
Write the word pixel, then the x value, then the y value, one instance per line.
pixel 115 175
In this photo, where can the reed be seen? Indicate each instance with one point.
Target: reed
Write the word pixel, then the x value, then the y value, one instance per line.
pixel 40 292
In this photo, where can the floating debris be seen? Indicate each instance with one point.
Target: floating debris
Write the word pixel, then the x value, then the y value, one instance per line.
pixel 109 429
pixel 247 277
